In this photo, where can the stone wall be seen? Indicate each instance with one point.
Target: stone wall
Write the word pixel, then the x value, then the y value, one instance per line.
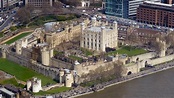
pixel 60 64
pixel 45 70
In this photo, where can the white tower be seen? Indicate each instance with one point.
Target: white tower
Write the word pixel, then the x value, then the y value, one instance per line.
pixel 61 76
pixel 68 80
pixel 45 57
pixel 19 47
pixel 82 37
pixel 102 38
pixel 93 21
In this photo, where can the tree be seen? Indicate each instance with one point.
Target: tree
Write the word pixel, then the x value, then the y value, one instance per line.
pixel 133 38
pixel 24 14
pixel 170 39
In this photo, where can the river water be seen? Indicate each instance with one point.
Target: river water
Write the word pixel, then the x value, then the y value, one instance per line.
pixel 158 85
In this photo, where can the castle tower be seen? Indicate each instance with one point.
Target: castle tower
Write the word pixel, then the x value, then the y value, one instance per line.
pixel 61 76
pixel 68 80
pixel 82 37
pixel 51 53
pixel 3 53
pixel 93 21
pixel 102 38
pixel 115 25
pixel 45 57
pixel 18 47
pixel 28 85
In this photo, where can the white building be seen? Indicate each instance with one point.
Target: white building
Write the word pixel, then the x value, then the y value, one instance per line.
pixel 39 3
pixel 34 85
pixel 96 37
pixel 85 3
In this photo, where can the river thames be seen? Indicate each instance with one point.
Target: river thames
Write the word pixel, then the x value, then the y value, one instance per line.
pixel 157 85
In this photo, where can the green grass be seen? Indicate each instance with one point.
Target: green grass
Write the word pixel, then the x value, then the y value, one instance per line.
pixel 57 52
pixel 1 34
pixel 11 81
pixel 130 51
pixel 17 37
pixel 21 72
pixel 75 58
pixel 86 51
pixel 51 18
pixel 54 91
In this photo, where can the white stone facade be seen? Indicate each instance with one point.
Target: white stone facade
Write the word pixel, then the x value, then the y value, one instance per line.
pixel 97 37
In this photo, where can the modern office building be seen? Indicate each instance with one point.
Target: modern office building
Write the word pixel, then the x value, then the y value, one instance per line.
pixel 123 8
pixel 39 3
pixel 156 13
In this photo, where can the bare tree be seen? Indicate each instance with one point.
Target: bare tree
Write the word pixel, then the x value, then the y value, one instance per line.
pixel 133 38
pixel 170 39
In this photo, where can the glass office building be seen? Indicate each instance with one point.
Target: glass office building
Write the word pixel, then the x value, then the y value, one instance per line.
pixel 123 8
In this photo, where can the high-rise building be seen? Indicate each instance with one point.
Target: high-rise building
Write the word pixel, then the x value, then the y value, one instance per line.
pixel 123 8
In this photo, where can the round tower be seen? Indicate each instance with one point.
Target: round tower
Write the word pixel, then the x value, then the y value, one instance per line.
pixel 51 53
pixel 28 85
pixel 3 53
pixel 39 83
pixel 35 87
pixel 115 25
pixel 68 80
pixel 18 47
pixel 45 57
pixel 61 76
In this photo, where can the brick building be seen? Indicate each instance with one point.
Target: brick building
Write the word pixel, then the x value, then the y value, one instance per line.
pixel 156 14
pixel 39 3
pixel 143 35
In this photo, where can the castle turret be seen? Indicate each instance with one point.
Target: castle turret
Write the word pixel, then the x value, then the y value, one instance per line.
pixel 18 47
pixel 115 25
pixel 82 37
pixel 102 38
pixel 45 57
pixel 93 21
pixel 68 80
pixel 61 76
pixel 28 85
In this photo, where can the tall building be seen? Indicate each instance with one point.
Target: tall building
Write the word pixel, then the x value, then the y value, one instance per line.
pixel 167 1
pixel 8 4
pixel 39 3
pixel 97 37
pixel 123 8
pixel 156 13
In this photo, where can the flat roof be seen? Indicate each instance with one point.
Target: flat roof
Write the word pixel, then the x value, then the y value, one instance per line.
pixel 157 6
pixel 97 29
pixel 6 91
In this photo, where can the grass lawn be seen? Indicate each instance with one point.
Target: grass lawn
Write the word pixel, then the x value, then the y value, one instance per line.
pixel 130 51
pixel 21 72
pixel 86 51
pixel 11 81
pixel 53 91
pixel 17 37
pixel 75 58
pixel 51 18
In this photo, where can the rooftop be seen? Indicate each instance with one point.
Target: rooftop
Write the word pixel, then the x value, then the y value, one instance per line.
pixel 6 91
pixel 97 29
